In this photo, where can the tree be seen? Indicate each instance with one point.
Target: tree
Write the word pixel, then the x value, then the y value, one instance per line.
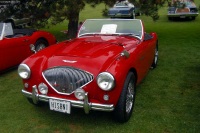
pixel 59 10
pixel 67 9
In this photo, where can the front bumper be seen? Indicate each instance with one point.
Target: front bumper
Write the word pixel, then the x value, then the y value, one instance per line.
pixel 85 104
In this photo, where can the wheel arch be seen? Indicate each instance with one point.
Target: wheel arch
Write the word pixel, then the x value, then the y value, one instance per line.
pixel 44 39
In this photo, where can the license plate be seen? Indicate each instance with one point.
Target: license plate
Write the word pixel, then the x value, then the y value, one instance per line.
pixel 60 106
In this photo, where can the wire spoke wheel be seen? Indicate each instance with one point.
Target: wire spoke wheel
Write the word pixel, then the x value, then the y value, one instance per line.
pixel 155 60
pixel 156 56
pixel 40 44
pixel 124 107
pixel 129 97
pixel 40 47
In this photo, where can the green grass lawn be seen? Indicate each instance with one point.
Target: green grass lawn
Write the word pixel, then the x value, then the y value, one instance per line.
pixel 167 101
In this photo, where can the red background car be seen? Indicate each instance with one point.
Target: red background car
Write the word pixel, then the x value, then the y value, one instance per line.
pixel 15 44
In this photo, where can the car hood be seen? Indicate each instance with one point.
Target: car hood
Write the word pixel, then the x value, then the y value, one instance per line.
pixel 92 54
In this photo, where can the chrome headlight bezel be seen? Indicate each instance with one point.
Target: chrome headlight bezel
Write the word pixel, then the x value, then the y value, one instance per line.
pixel 24 71
pixel 106 81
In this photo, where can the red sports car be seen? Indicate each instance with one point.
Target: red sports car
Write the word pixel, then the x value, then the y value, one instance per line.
pixel 15 44
pixel 98 70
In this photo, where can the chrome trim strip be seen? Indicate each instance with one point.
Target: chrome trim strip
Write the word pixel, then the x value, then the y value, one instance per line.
pixel 77 104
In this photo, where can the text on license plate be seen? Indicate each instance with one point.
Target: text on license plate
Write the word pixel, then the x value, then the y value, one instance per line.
pixel 60 106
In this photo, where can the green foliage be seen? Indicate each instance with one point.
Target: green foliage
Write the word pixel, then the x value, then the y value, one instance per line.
pixel 60 10
pixel 105 12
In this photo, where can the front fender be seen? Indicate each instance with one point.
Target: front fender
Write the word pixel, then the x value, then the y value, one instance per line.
pixel 119 69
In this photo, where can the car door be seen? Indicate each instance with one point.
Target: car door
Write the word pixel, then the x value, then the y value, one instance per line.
pixel 143 58
pixel 143 61
pixel 13 51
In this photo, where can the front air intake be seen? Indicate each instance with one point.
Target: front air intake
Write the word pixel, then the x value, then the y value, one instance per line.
pixel 65 80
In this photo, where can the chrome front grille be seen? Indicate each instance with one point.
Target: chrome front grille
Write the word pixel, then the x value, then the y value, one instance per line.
pixel 66 80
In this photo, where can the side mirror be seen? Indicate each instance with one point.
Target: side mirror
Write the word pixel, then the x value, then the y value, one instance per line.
pixel 32 48
pixel 125 54
pixel 147 36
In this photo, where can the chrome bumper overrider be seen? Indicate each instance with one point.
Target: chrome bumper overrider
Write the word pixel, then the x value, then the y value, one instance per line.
pixel 78 104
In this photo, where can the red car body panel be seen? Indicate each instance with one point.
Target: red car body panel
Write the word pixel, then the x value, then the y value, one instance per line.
pixel 14 50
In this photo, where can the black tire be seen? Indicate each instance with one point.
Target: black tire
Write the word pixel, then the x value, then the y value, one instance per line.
pixel 155 60
pixel 124 108
pixel 139 14
pixel 40 44
pixel 193 18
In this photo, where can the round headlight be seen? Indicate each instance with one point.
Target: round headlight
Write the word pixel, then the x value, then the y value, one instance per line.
pixel 106 81
pixel 43 88
pixel 24 71
pixel 79 94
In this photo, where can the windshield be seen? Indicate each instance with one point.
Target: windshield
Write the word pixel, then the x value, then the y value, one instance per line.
pixel 132 27
pixel 5 30
pixel 121 4
pixel 1 29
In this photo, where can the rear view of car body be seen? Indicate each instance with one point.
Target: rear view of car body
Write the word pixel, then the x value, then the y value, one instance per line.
pixel 121 12
pixel 182 9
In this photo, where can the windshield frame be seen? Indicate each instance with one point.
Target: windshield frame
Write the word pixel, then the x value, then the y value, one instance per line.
pixel 100 23
pixel 2 29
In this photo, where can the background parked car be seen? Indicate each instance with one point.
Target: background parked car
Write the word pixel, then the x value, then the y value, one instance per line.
pixel 15 44
pixel 182 9
pixel 17 19
pixel 123 9
pixel 17 22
